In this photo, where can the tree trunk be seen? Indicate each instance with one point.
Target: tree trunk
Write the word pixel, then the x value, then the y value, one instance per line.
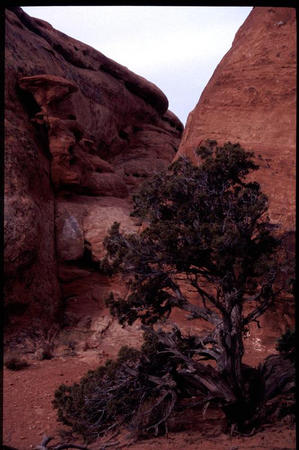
pixel 245 382
pixel 232 349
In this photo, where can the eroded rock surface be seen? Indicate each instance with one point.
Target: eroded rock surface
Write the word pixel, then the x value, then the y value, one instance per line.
pixel 82 132
pixel 251 99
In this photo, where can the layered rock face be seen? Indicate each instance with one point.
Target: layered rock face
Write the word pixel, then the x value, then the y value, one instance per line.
pixel 82 132
pixel 251 99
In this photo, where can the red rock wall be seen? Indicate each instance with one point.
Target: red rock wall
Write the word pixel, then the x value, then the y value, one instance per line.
pixel 81 133
pixel 251 99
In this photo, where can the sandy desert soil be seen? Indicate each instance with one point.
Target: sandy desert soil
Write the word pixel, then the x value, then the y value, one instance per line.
pixel 28 413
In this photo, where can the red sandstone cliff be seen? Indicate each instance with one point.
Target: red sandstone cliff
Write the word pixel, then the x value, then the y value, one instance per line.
pixel 251 99
pixel 81 133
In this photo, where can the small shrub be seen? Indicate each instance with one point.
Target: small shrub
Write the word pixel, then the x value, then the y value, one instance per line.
pixel 89 404
pixel 135 390
pixel 14 362
pixel 44 352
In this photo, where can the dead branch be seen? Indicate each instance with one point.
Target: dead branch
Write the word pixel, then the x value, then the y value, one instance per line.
pixel 63 446
pixel 167 413
pixel 47 439
pixel 204 378
pixel 259 310
pixel 279 375
pixel 195 311
pixel 44 443
pixel 109 444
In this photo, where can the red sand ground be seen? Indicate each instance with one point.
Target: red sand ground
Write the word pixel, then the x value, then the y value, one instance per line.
pixel 28 413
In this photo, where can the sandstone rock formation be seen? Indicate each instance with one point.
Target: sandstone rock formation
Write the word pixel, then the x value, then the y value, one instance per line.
pixel 251 99
pixel 82 132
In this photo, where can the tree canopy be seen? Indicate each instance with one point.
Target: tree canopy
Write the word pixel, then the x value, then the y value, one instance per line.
pixel 204 222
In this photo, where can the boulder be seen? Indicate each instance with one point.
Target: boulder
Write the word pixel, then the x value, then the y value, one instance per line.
pixel 98 222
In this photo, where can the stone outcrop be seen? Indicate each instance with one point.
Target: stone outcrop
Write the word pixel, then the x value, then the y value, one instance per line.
pixel 82 132
pixel 251 99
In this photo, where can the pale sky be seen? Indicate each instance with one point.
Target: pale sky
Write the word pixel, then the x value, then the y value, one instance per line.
pixel 176 47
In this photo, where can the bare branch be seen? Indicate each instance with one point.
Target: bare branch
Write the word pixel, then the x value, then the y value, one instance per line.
pixel 259 310
pixel 167 413
pixel 205 295
pixel 196 311
pixel 47 439
pixel 44 443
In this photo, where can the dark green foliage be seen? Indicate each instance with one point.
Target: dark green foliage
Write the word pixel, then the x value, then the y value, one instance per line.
pixel 286 345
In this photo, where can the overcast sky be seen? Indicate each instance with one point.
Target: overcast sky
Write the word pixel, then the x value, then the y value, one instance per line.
pixel 175 47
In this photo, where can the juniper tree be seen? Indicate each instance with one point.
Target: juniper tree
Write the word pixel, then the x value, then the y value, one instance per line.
pixel 206 227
